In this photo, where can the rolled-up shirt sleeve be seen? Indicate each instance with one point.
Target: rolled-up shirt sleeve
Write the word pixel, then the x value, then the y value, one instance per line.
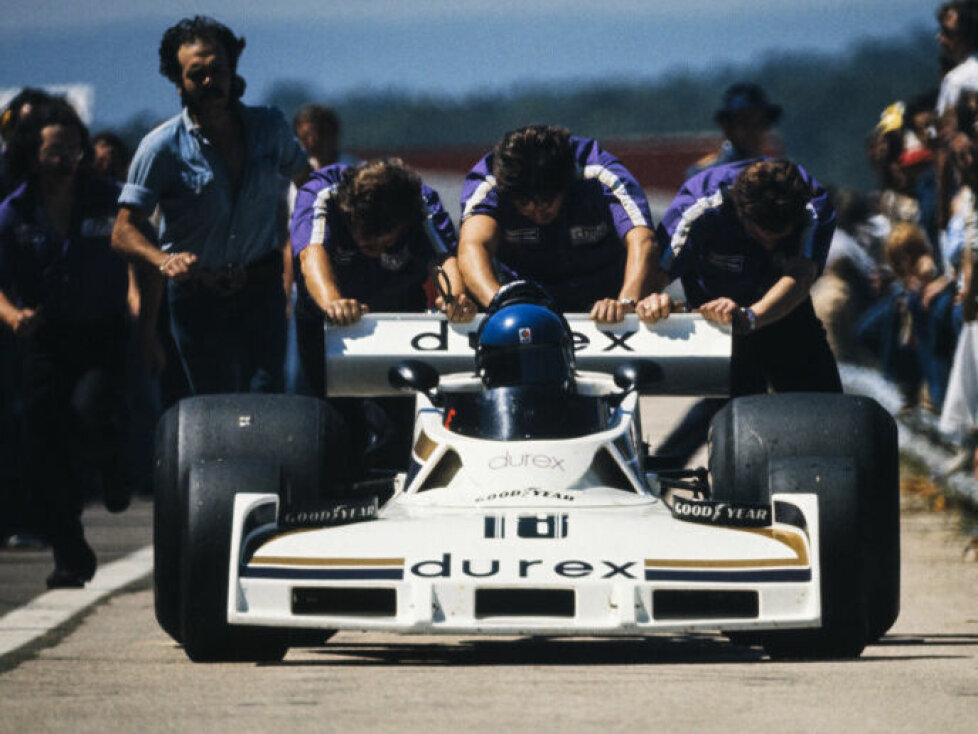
pixel 148 173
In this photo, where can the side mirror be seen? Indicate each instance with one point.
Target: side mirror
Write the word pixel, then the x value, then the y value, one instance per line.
pixel 637 375
pixel 412 374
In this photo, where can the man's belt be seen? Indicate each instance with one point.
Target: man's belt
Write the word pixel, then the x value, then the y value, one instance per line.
pixel 231 279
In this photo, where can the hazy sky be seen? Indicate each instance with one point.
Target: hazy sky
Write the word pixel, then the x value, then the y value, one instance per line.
pixel 442 47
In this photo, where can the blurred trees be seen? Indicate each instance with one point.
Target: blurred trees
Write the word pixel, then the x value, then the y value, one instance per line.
pixel 830 104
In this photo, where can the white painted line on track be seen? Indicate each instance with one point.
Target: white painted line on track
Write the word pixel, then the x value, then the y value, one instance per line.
pixel 53 608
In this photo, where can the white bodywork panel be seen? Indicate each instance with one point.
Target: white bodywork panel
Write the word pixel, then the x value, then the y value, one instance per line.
pixel 544 537
pixel 694 354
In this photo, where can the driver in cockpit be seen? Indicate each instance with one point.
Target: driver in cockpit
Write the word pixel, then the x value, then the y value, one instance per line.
pixel 523 341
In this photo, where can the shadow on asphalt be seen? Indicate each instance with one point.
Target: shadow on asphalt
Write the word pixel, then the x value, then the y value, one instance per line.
pixel 662 650
pixel 536 651
pixel 943 640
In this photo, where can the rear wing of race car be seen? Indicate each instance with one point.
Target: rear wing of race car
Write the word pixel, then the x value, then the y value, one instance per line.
pixel 693 353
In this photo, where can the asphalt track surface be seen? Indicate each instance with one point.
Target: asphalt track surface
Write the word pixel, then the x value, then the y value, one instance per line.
pixel 112 669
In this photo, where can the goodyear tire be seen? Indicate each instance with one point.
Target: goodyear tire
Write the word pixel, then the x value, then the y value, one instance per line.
pixel 302 435
pixel 168 500
pixel 843 448
pixel 205 559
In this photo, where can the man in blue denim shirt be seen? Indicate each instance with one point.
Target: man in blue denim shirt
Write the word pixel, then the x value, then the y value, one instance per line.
pixel 214 172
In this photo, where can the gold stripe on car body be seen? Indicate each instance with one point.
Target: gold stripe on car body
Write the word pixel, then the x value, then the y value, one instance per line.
pixel 291 561
pixel 794 541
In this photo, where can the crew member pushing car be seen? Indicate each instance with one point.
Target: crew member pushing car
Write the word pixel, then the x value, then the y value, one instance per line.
pixel 366 238
pixel 748 240
pixel 561 211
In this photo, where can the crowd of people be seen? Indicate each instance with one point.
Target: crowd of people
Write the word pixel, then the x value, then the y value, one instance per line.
pixel 189 266
pixel 898 291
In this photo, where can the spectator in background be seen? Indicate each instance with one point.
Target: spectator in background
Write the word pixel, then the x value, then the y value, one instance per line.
pixel 913 328
pixel 214 172
pixel 746 119
pixel 110 156
pixel 318 129
pixel 63 294
pixel 902 152
pixel 958 41
pixel 19 108
pixel 853 274
pixel 959 417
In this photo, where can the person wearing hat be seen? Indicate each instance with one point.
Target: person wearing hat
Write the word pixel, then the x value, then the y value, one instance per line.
pixel 745 118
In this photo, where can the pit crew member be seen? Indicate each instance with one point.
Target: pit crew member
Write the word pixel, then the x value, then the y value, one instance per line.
pixel 366 238
pixel 748 240
pixel 559 210
pixel 63 294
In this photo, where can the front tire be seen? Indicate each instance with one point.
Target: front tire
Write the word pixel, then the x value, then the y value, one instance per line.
pixel 205 559
pixel 843 449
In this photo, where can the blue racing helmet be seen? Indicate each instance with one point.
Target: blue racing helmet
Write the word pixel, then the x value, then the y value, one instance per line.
pixel 525 344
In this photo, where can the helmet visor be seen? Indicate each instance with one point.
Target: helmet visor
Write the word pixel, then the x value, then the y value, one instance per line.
pixel 526 365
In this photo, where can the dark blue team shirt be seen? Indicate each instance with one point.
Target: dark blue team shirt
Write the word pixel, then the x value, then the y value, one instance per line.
pixel 705 245
pixel 580 256
pixel 395 280
pixel 75 280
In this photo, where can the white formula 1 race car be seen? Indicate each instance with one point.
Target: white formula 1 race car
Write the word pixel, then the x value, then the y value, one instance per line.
pixel 531 505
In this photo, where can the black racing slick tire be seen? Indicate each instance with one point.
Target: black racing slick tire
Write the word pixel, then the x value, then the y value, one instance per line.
pixel 205 559
pixel 844 449
pixel 167 526
pixel 302 435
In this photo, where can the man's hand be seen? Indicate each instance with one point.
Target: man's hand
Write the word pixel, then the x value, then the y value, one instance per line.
pixel 610 311
pixel 719 310
pixel 933 289
pixel 462 309
pixel 726 311
pixel 177 265
pixel 654 307
pixel 25 321
pixel 345 311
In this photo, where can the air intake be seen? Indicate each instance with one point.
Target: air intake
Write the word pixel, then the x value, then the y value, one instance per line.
pixel 524 603
pixel 344 602
pixel 669 604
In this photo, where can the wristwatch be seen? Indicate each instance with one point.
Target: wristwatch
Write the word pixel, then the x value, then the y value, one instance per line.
pixel 627 302
pixel 751 319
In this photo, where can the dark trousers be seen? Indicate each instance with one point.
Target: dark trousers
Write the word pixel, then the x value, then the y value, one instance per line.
pixel 13 515
pixel 75 420
pixel 381 429
pixel 790 355
pixel 231 343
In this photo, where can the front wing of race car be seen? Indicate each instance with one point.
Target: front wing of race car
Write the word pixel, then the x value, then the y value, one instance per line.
pixel 625 569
